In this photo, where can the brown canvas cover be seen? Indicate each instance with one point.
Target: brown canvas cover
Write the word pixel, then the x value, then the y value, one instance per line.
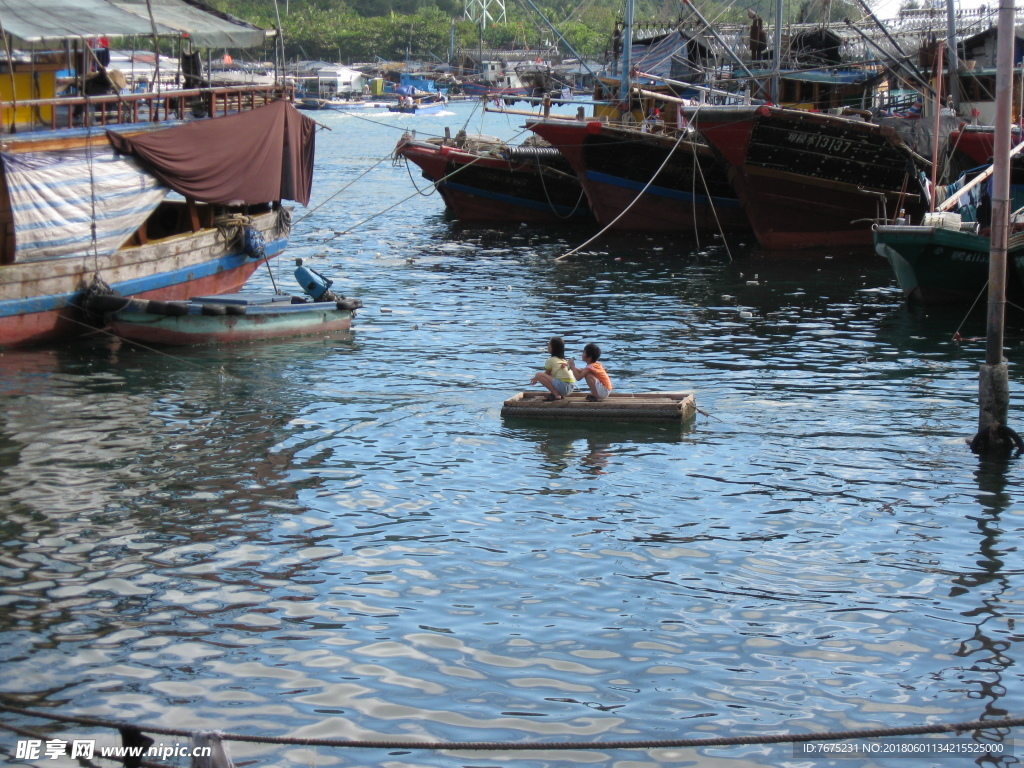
pixel 259 156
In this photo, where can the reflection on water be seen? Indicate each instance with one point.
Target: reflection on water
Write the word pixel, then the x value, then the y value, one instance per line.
pixel 340 537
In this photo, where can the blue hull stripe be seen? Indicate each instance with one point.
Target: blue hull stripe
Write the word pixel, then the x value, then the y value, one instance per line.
pixel 654 189
pixel 225 263
pixel 581 210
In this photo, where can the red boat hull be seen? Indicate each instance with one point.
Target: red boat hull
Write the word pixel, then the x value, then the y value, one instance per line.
pixel 38 301
pixel 809 180
pixel 615 166
pixel 482 188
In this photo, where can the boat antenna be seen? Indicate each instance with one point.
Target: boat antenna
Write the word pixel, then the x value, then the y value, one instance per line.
pixel 561 38
pixel 954 66
pixel 714 33
pixel 278 43
pixel 777 55
pixel 156 47
pixel 627 57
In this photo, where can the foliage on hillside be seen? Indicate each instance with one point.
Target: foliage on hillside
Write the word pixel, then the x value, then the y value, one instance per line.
pixel 369 30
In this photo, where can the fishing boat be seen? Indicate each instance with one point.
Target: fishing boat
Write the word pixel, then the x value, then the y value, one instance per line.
pixel 651 407
pixel 946 264
pixel 231 317
pixel 667 180
pixel 809 179
pixel 419 107
pixel 485 180
pixel 130 193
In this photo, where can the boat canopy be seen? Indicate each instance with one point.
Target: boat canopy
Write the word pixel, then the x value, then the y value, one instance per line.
pixel 259 156
pixel 43 22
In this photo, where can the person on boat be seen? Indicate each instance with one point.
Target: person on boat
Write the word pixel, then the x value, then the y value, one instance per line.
pixel 593 372
pixel 758 36
pixel 555 377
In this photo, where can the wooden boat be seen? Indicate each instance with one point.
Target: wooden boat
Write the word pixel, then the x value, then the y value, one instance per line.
pixel 655 407
pixel 228 318
pixel 942 265
pixel 83 192
pixel 419 108
pixel 483 179
pixel 690 190
pixel 807 179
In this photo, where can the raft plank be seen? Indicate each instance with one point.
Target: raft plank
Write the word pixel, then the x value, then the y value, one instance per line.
pixel 662 407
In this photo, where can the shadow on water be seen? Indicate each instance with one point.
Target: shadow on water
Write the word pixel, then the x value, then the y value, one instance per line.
pixel 590 446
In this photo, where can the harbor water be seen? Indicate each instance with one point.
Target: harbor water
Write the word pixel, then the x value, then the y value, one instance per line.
pixel 339 537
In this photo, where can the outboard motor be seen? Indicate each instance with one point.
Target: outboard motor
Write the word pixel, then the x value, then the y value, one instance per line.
pixel 316 286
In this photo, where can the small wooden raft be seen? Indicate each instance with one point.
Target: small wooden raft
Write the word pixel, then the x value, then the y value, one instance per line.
pixel 660 407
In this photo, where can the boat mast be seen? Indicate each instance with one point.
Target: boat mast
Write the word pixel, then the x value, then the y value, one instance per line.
pixel 954 65
pixel 777 54
pixel 993 383
pixel 627 56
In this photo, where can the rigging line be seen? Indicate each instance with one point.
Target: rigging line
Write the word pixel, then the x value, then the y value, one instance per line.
pixel 311 211
pixel 628 207
pixel 981 293
pixel 433 187
pixel 348 230
pixel 547 195
pixel 711 202
pixel 103 331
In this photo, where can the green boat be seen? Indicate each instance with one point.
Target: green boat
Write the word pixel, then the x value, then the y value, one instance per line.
pixel 940 265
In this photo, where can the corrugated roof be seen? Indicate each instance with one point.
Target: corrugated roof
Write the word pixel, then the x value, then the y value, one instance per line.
pixel 32 22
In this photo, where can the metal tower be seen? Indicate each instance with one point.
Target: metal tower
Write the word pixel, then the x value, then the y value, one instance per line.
pixel 484 12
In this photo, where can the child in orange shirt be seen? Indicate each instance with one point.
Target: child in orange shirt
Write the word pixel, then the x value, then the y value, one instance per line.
pixel 597 378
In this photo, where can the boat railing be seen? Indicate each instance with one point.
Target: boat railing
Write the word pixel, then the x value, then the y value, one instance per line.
pixel 64 112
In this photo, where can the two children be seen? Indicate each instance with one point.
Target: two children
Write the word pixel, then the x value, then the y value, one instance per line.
pixel 559 376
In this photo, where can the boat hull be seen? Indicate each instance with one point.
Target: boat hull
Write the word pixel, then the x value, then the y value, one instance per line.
pixel 689 193
pixel 809 180
pixel 483 188
pixel 258 323
pixel 420 109
pixel 39 300
pixel 945 266
pixel 649 407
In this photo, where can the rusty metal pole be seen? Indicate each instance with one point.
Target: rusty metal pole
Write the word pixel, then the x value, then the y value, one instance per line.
pixel 993 381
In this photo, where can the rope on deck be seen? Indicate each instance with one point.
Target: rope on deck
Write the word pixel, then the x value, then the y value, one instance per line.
pixel 521 746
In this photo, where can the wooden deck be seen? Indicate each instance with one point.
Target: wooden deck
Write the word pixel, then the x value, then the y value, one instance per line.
pixel 657 407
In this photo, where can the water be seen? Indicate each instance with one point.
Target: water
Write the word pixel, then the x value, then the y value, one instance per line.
pixel 340 537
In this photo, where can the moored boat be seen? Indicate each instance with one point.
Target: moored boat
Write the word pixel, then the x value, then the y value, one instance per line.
pixel 133 191
pixel 228 318
pixel 946 264
pixel 69 227
pixel 483 179
pixel 419 107
pixel 808 179
pixel 681 185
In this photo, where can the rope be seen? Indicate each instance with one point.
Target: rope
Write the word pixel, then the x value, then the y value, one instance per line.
pixel 628 207
pixel 520 746
pixel 311 211
pixel 348 230
pixel 981 293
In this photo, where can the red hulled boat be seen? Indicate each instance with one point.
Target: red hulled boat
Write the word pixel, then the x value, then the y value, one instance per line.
pixel 684 185
pixel 484 180
pixel 809 179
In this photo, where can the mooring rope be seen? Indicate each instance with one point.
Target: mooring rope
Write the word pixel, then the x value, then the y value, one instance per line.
pixel 626 210
pixel 521 746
